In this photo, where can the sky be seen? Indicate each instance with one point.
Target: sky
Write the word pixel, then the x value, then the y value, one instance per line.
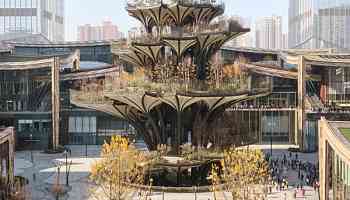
pixel 79 12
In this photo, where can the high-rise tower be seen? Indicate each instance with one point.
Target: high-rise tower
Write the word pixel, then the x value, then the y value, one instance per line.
pixel 45 17
pixel 319 24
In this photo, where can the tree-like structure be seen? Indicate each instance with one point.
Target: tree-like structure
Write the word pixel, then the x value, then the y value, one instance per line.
pixel 172 75
pixel 120 166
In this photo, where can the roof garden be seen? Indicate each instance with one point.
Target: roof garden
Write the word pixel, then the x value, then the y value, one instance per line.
pixel 345 132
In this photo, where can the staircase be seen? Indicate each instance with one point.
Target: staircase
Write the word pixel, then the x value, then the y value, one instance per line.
pixel 313 101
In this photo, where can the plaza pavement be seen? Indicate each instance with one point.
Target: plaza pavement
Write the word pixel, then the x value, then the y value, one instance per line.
pixel 43 173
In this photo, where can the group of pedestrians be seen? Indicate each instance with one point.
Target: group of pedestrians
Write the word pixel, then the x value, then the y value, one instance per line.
pixel 280 166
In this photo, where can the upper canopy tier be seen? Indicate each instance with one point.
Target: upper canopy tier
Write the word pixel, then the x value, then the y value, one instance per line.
pixel 159 13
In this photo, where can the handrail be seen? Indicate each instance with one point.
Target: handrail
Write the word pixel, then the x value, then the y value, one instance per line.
pixel 141 4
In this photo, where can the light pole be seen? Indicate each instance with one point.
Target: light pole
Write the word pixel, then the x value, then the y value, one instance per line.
pixel 195 192
pixel 67 175
pixel 271 146
pixel 31 148
pixel 271 124
pixel 86 145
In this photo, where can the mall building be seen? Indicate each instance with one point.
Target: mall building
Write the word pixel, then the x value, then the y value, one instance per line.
pixel 26 93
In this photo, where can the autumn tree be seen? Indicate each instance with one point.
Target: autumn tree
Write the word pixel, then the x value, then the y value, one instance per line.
pixel 121 165
pixel 245 173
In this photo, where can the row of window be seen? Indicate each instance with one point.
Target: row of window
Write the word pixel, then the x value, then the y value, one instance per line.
pixel 56 6
pixel 88 124
pixel 19 24
pixel 339 85
pixel 18 3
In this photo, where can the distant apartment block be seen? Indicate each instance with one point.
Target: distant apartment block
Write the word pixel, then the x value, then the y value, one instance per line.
pixel 268 33
pixel 106 31
pixel 44 17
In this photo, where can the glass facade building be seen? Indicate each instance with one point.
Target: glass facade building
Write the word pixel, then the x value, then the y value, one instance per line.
pixel 25 99
pixel 319 24
pixel 45 17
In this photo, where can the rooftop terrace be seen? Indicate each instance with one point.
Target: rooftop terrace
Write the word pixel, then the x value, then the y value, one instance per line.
pixel 341 131
pixel 345 132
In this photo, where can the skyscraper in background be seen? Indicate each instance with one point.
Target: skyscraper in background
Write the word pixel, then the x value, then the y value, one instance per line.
pixel 285 41
pixel 268 32
pixel 319 24
pixel 44 17
pixel 107 31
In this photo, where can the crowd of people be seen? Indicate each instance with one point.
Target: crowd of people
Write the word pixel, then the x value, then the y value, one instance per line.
pixel 281 166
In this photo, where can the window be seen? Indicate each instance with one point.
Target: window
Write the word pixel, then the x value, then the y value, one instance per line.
pixel 2 24
pixel 82 124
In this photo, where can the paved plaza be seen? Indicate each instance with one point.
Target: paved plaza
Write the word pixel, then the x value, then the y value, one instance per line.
pixel 43 173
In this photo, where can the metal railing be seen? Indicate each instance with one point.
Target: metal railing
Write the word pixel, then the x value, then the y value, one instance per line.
pixel 135 4
pixel 338 93
pixel 276 100
pixel 189 31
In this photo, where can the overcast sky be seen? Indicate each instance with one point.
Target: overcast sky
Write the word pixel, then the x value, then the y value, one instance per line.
pixel 80 12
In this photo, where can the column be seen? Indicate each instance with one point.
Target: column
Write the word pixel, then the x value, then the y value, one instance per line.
pixel 55 98
pixel 322 159
pixel 11 154
pixel 301 104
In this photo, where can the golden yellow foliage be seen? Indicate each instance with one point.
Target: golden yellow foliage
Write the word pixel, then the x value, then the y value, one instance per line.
pixel 120 166
pixel 244 169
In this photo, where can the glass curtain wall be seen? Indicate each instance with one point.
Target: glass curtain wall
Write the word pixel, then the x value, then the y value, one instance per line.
pixel 301 24
pixel 33 16
pixel 19 92
pixel 332 19
pixel 339 86
pixel 275 100
pixel 311 133
pixel 277 126
pixel 18 16
pixel 82 130
pixel 93 130
pixel 39 129
pixel 319 24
